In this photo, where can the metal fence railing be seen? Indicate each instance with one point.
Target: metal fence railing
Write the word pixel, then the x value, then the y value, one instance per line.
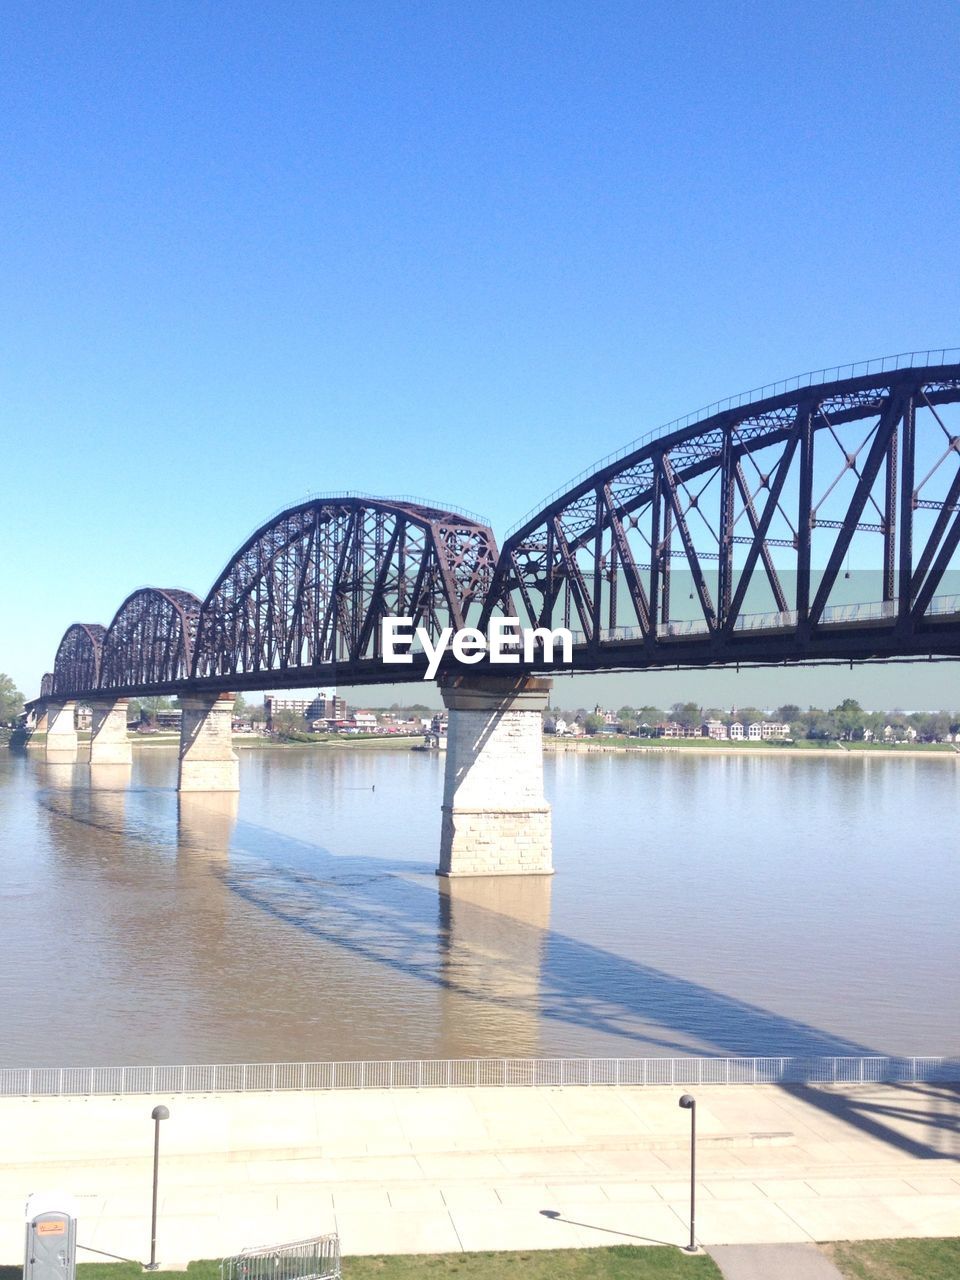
pixel 465 1073
pixel 315 1259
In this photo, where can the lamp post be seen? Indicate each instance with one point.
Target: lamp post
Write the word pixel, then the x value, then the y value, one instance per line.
pixel 156 1115
pixel 689 1103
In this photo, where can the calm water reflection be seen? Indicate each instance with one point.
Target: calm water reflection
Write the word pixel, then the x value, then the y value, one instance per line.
pixel 709 904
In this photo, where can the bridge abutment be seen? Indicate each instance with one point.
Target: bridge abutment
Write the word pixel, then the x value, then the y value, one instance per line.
pixel 208 761
pixel 109 743
pixel 495 821
pixel 61 730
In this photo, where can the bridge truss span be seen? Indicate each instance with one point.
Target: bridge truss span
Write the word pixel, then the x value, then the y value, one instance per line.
pixel 814 524
pixel 150 642
pixel 77 664
pixel 303 598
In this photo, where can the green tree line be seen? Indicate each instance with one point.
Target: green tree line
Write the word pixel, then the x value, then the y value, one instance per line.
pixel 847 721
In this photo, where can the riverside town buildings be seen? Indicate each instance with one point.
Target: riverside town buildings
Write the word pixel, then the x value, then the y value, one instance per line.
pixel 325 706
pixel 758 731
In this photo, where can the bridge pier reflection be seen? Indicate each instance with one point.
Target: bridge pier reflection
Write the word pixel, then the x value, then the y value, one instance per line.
pixel 107 800
pixel 493 932
pixel 109 744
pixel 496 821
pixel 208 761
pixel 205 823
pixel 61 731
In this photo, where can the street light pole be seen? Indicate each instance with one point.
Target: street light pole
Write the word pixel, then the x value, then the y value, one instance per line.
pixel 156 1115
pixel 689 1103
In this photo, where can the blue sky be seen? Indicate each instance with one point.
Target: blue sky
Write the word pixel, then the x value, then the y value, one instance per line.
pixel 458 250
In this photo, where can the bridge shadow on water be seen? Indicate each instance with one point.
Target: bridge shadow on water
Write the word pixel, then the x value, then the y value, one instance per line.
pixel 390 914
pixel 491 943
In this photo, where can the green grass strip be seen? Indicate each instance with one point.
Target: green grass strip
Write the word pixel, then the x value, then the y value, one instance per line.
pixel 619 1262
pixel 897 1259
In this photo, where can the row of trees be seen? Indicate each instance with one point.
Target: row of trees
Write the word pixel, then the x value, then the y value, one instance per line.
pixel 847 721
pixel 145 709
pixel 11 701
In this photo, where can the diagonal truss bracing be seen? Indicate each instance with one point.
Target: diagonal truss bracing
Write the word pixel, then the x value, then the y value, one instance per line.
pixel 747 535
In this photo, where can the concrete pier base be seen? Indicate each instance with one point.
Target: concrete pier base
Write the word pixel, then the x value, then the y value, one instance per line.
pixel 208 761
pixel 109 743
pixel 61 731
pixel 495 820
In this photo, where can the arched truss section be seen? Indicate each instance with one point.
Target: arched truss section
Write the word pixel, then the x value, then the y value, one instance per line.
pixel 821 522
pixel 308 590
pixel 76 669
pixel 46 684
pixel 150 640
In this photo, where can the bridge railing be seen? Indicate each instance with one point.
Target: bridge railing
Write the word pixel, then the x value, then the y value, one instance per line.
pixel 466 1073
pixel 834 614
pixel 403 499
pixel 812 378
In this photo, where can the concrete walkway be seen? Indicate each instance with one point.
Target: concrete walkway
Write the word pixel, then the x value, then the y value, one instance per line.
pixel 441 1170
pixel 773 1262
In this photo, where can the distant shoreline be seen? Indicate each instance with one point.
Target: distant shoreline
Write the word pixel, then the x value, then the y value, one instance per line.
pixel 560 746
pixel 832 750
pixel 250 742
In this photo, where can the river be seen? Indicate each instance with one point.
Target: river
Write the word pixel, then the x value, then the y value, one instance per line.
pixel 701 904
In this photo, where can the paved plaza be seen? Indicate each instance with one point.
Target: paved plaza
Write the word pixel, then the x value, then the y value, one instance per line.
pixel 439 1170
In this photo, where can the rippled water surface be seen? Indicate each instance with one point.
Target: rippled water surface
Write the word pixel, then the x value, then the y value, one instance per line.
pixel 721 904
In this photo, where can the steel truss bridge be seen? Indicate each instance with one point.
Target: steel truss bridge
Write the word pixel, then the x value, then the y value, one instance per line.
pixel 816 520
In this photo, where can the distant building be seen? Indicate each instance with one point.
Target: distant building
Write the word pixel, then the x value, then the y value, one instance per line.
pixel 325 706
pixel 436 736
pixel 273 706
pixel 714 729
pixel 365 721
pixel 736 731
pixel 763 730
pixel 669 729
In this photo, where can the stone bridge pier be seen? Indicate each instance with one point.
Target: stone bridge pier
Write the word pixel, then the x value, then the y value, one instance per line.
pixel 61 730
pixel 109 743
pixel 496 821
pixel 208 761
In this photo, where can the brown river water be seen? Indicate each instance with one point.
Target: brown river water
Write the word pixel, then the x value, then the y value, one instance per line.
pixel 701 904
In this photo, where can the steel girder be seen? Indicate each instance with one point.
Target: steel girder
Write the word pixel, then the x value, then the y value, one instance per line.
pixel 77 665
pixel 300 603
pixel 150 641
pixel 735 539
pixel 303 598
pixel 727 541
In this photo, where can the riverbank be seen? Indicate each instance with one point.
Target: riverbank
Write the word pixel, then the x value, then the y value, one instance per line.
pixel 616 745
pixel 253 742
pixel 444 1170
pixel 706 746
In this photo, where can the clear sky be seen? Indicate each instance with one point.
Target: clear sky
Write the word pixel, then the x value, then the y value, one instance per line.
pixel 457 250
